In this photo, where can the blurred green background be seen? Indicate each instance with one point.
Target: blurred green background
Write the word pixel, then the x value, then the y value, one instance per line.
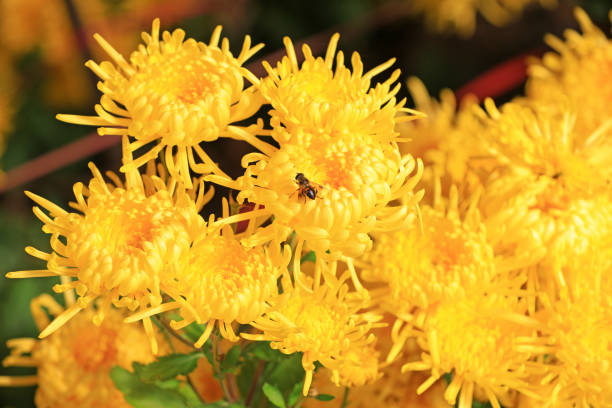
pixel 46 61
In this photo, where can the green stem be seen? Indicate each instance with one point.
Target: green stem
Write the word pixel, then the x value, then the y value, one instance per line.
pixel 345 398
pixel 224 381
pixel 164 331
pixel 167 331
pixel 252 388
pixel 171 331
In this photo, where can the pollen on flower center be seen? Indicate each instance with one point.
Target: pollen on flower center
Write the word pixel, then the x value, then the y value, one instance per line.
pixel 141 234
pixel 320 325
pixel 124 228
pixel 193 85
pixel 194 89
pixel 337 169
pixel 222 280
pixel 341 163
pixel 327 320
pixel 442 262
pixel 95 348
pixel 449 250
pixel 230 264
pixel 552 199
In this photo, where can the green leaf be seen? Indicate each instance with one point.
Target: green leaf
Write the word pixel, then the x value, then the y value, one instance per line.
pixel 143 395
pixel 172 384
pixel 309 257
pixel 274 395
pixel 479 404
pixel 123 379
pixel 194 331
pixel 208 352
pixel 168 367
pixel 324 397
pixel 287 373
pixel 295 395
pixel 188 393
pixel 222 404
pixel 245 376
pixel 230 361
pixel 263 351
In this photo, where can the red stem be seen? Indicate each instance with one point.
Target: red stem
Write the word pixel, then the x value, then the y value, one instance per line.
pixel 56 159
pixel 498 80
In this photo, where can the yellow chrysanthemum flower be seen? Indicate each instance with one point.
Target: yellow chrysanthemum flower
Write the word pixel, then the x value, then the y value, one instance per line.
pixel 542 140
pixel 535 216
pixel 553 198
pixel 357 366
pixel 326 325
pixel 392 389
pixel 410 272
pixel 583 352
pixel 460 15
pixel 446 140
pixel 221 282
pixel 485 340
pixel 577 337
pixel 328 101
pixel 420 268
pixel 413 270
pixel 176 93
pixel 74 363
pixel 355 182
pixel 337 168
pixel 121 245
pixel 578 72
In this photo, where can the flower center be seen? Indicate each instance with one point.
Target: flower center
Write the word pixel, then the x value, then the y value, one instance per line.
pixel 489 341
pixel 229 264
pixel 552 199
pixel 444 261
pixel 130 221
pixel 194 88
pixel 125 239
pixel 318 323
pixel 449 243
pixel 94 349
pixel 337 168
pixel 223 280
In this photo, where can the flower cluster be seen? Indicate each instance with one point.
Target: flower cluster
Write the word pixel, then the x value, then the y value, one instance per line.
pixel 460 15
pixel 515 243
pixel 73 364
pixel 443 257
